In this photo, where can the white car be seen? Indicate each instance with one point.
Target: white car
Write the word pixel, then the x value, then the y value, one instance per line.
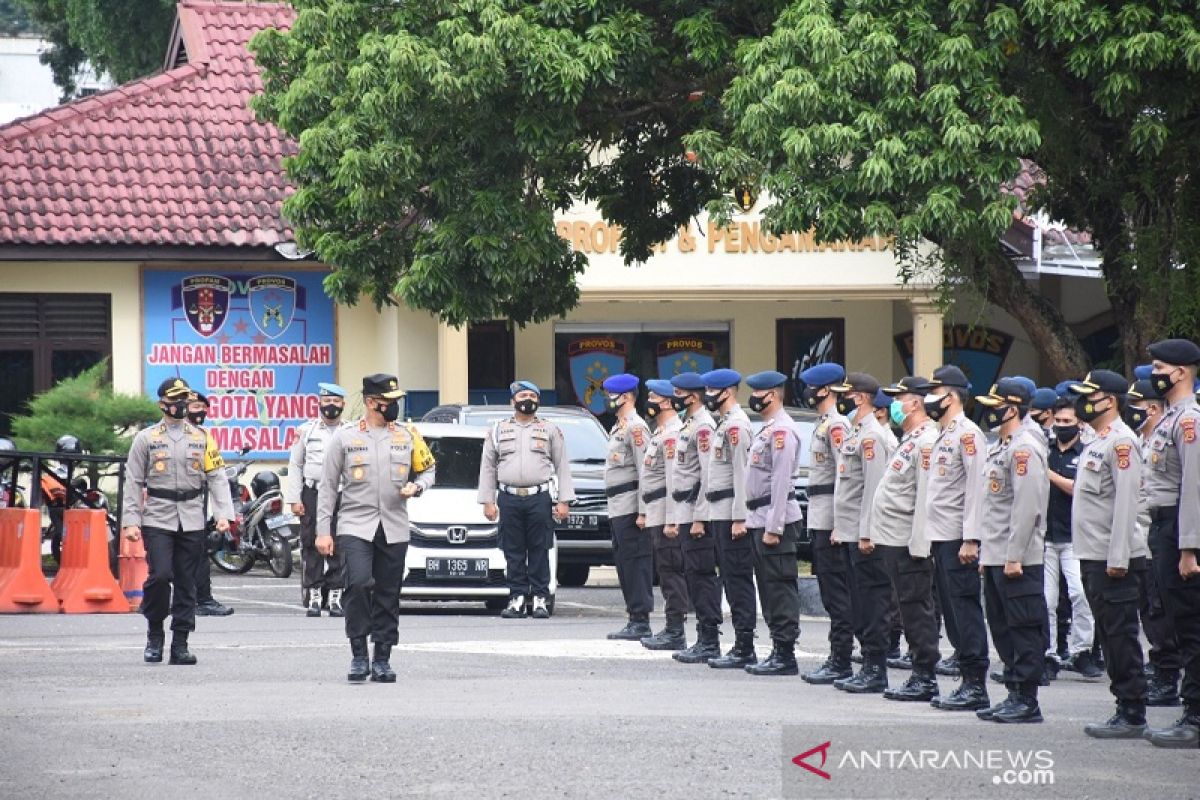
pixel 453 551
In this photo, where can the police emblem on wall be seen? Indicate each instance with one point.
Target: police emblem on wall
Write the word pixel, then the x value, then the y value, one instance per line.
pixel 746 197
pixel 685 354
pixel 592 359
pixel 272 303
pixel 205 302
pixel 979 352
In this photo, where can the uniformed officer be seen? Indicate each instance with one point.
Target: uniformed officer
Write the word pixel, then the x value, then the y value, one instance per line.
pixel 831 559
pixel 953 499
pixel 688 515
pixel 1143 411
pixel 1041 410
pixel 773 521
pixel 865 454
pixel 168 467
pixel 898 536
pixel 376 466
pixel 320 577
pixel 1013 528
pixel 882 405
pixel 726 495
pixel 1109 546
pixel 206 604
pixel 668 550
pixel 522 459
pixel 632 548
pixel 1173 495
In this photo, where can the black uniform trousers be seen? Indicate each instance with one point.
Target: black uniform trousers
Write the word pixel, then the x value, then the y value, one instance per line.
pixel 526 536
pixel 204 577
pixel 633 554
pixel 1158 625
pixel 374 573
pixel 958 588
pixel 317 571
pixel 1114 604
pixel 912 581
pixel 700 571
pixel 873 602
pixel 831 563
pixel 668 556
pixel 736 561
pixel 1016 614
pixel 1182 598
pixel 171 557
pixel 778 584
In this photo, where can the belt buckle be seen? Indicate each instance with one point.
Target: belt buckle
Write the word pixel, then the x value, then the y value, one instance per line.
pixel 522 491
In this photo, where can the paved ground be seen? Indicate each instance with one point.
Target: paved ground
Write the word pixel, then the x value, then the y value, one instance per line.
pixel 497 708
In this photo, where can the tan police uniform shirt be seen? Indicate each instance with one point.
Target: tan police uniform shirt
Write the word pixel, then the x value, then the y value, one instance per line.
pixel 825 452
pixel 660 451
pixel 1104 508
pixel 307 456
pixel 176 457
pixel 727 467
pixel 1174 477
pixel 627 443
pixel 774 456
pixel 864 457
pixel 524 454
pixel 898 507
pixel 954 494
pixel 1017 494
pixel 687 476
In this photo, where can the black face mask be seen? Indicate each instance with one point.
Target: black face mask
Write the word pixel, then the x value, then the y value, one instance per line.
pixel 1065 433
pixel 935 406
pixel 809 396
pixel 757 403
pixel 331 411
pixel 197 417
pixel 1086 409
pixel 1135 417
pixel 175 410
pixel 614 401
pixel 846 405
pixel 1041 418
pixel 528 407
pixel 652 410
pixel 714 400
pixel 994 417
pixel 391 411
pixel 1162 382
pixel 680 403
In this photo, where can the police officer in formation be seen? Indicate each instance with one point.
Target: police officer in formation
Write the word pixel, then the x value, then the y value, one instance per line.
pixel 524 459
pixel 370 471
pixel 322 578
pixel 168 468
pixel 632 547
pixel 206 604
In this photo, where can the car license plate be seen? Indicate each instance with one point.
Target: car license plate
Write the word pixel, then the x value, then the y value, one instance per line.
pixel 582 522
pixel 452 568
pixel 278 521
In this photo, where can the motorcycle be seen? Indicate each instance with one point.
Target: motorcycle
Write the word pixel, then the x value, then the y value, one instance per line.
pixel 263 529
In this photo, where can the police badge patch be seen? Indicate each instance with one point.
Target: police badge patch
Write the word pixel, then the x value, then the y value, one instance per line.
pixel 868 448
pixel 1123 451
pixel 1021 461
pixel 1188 427
pixel 669 448
pixel 733 436
pixel 704 438
pixel 639 437
pixel 968 443
pixel 780 439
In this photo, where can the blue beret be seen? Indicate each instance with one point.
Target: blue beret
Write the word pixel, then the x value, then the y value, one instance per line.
pixel 689 381
pixel 766 380
pixel 1176 352
pixel 660 387
pixel 823 375
pixel 520 386
pixel 721 378
pixel 1044 399
pixel 881 400
pixel 621 383
pixel 1142 372
pixel 330 390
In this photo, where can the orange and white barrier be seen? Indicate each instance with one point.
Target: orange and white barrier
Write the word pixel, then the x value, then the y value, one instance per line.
pixel 84 584
pixel 23 587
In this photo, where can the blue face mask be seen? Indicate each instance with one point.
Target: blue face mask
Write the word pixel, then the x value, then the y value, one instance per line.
pixel 896 410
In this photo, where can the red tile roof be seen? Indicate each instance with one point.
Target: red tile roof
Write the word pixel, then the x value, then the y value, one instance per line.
pixel 1030 177
pixel 175 159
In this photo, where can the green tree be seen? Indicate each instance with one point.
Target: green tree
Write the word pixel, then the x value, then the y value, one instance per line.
pixel 14 19
pixel 84 406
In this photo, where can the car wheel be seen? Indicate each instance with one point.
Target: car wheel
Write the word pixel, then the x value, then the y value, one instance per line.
pixel 573 574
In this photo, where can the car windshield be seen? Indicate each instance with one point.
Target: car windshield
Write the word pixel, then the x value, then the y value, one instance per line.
pixel 457 460
pixel 586 441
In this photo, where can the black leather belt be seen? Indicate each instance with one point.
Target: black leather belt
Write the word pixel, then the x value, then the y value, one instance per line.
pixel 759 502
pixel 719 494
pixel 687 495
pixel 819 489
pixel 177 496
pixel 656 494
pixel 620 488
pixel 1163 513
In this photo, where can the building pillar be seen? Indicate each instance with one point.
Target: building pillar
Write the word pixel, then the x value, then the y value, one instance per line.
pixel 927 337
pixel 452 363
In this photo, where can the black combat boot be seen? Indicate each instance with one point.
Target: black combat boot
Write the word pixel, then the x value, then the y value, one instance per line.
pixel 871 679
pixel 921 686
pixel 903 662
pixel 708 645
pixel 672 637
pixel 1128 723
pixel 1162 689
pixel 971 694
pixel 989 713
pixel 179 649
pixel 1023 709
pixel 835 668
pixel 782 661
pixel 634 631
pixel 154 644
pixel 948 666
pixel 741 654
pixel 381 670
pixel 360 662
pixel 1185 733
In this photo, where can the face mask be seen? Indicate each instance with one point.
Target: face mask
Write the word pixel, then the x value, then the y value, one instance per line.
pixel 391 411
pixel 528 407
pixel 197 417
pixel 652 410
pixel 331 411
pixel 846 405
pixel 175 410
pixel 995 417
pixel 896 412
pixel 1065 433
pixel 680 403
pixel 713 401
pixel 1086 409
pixel 809 396
pixel 1041 419
pixel 935 406
pixel 614 401
pixel 1162 382
pixel 757 403
pixel 1135 417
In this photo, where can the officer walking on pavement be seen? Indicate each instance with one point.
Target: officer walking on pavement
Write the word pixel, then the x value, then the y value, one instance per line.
pixel 773 521
pixel 953 501
pixel 688 515
pixel 727 511
pixel 831 559
pixel 168 467
pixel 668 550
pixel 206 604
pixel 632 547
pixel 1013 530
pixel 320 577
pixel 1111 549
pixel 522 458
pixel 1173 495
pixel 376 465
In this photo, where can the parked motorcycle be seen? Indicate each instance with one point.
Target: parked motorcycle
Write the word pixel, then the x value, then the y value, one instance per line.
pixel 263 529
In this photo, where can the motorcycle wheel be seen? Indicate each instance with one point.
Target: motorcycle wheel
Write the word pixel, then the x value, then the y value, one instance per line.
pixel 281 556
pixel 231 562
